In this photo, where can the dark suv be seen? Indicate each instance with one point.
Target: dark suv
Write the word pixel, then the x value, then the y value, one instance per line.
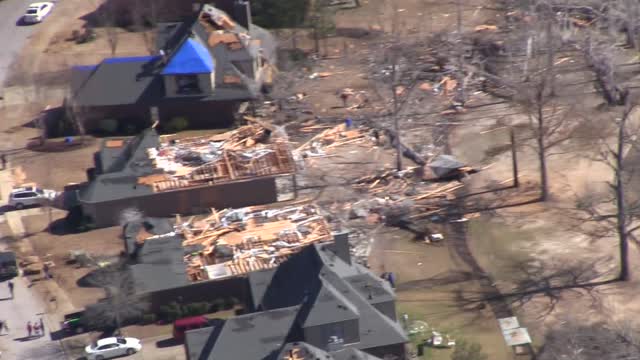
pixel 8 265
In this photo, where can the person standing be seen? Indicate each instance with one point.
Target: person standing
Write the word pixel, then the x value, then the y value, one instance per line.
pixel 3 158
pixel 1 326
pixel 42 326
pixel 45 269
pixel 36 329
pixel 11 288
pixel 6 327
pixel 29 328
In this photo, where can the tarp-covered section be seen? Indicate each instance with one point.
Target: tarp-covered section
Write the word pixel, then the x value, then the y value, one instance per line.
pixel 192 58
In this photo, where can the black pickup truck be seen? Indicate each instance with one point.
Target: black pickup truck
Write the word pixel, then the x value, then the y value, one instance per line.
pixel 75 323
pixel 8 265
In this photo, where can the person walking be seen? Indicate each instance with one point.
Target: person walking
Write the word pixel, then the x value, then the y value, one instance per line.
pixel 29 328
pixel 42 327
pixel 3 158
pixel 11 288
pixel 36 329
pixel 6 327
pixel 1 326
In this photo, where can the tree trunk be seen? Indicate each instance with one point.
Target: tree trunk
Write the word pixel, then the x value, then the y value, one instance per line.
pixel 294 38
pixel 542 157
pixel 396 125
pixel 514 158
pixel 620 203
pixel 316 40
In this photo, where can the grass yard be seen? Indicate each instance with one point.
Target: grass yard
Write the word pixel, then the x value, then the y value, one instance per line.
pixel 430 282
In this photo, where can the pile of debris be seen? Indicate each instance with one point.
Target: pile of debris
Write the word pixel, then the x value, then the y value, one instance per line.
pixel 235 242
pixel 331 138
pixel 390 196
pixel 248 151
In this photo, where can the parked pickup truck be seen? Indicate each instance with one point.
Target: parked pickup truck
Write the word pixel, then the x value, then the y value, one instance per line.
pixel 75 323
pixel 8 265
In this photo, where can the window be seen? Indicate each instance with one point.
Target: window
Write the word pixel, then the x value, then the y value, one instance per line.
pixel 188 84
pixel 121 341
pixel 107 346
pixel 43 7
pixel 32 11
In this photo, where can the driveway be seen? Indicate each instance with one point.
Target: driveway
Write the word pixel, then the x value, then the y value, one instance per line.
pixel 25 306
pixel 12 35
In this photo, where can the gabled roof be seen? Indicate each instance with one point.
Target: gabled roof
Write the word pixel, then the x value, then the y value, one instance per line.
pixel 258 336
pixel 117 81
pixel 319 280
pixel 191 58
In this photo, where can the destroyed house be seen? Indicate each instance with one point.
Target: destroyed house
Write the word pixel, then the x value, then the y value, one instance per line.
pixel 342 311
pixel 162 176
pixel 201 71
pixel 226 245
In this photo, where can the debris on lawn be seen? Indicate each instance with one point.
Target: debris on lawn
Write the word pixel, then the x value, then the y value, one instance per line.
pixel 320 75
pixel 438 340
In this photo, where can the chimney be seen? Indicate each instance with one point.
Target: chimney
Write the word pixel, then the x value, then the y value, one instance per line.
pixel 340 246
pixel 242 13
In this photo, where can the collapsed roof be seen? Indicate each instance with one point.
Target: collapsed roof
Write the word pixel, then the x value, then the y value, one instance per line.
pixel 149 163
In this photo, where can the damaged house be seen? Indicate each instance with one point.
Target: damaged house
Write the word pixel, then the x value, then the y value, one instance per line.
pixel 162 176
pixel 226 245
pixel 203 69
pixel 317 304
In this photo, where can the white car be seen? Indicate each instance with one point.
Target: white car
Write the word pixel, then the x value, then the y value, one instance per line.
pixel 112 347
pixel 37 12
pixel 21 197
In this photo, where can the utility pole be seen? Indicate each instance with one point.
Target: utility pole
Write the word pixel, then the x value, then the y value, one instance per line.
pixel 396 125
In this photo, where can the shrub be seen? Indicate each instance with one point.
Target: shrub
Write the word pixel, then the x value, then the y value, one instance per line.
pixel 171 312
pixel 229 303
pixel 177 124
pixel 149 319
pixel 197 308
pixel 214 306
pixel 108 126
pixel 468 351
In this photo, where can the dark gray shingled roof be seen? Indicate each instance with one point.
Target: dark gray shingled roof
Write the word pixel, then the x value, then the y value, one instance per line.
pixel 121 81
pixel 158 262
pixel 352 354
pixel 137 80
pixel 304 279
pixel 122 168
pixel 257 336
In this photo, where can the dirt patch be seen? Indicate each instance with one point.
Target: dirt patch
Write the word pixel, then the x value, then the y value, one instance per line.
pixel 100 244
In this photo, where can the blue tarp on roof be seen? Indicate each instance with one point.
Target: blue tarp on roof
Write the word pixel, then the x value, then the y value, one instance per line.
pixel 118 60
pixel 84 67
pixel 192 58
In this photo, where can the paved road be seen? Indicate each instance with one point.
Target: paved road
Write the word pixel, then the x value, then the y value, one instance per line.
pixel 25 306
pixel 12 36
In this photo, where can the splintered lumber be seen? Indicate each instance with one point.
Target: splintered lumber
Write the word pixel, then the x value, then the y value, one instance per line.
pixel 264 124
pixel 316 137
pixel 439 191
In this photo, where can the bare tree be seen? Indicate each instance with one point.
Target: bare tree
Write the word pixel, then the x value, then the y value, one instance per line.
pixel 321 19
pixel 144 15
pixel 122 303
pixel 109 21
pixel 619 211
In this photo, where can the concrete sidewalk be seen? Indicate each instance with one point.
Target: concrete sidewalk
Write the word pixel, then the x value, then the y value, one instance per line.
pixel 28 304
